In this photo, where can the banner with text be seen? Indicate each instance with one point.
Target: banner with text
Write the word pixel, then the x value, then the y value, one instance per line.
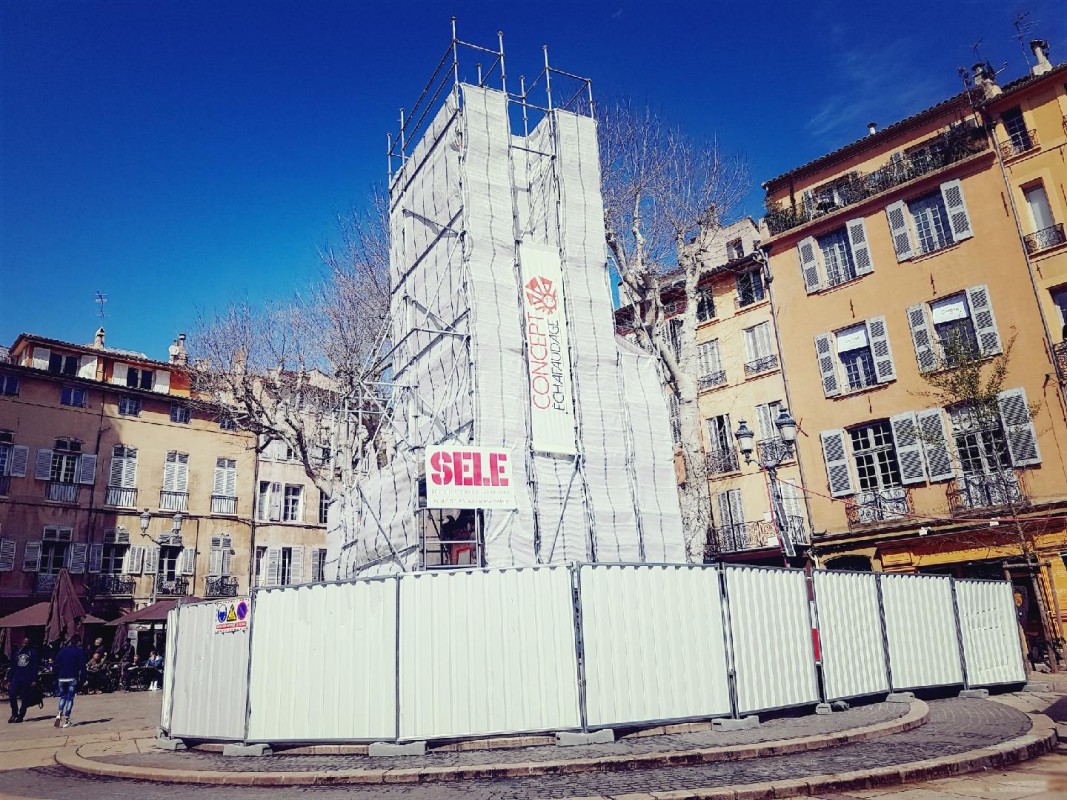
pixel 551 398
pixel 468 477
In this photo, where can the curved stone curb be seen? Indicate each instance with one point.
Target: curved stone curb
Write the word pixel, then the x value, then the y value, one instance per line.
pixel 917 715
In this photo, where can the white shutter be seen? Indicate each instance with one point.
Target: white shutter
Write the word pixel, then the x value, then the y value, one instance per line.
pixel 751 346
pixel 952 193
pixel 861 252
pixel 219 485
pixel 182 472
pixel 7 555
pixel 809 264
pixel 133 561
pixel 188 560
pixel 296 565
pixel 119 373
pixel 86 468
pixel 909 448
pixel 920 337
pixel 161 383
pixel 827 358
pixel 31 557
pixel 764 422
pixel 878 336
pixel 985 324
pixel 231 480
pixel 764 340
pixel 79 551
pixel 214 562
pixel 1019 428
pixel 43 468
pixel 226 555
pixel 118 464
pixel 275 502
pixel 96 557
pixel 151 560
pixel 274 566
pixel 897 213
pixel 835 455
pixel 129 471
pixel 935 445
pixel 20 456
pixel 169 473
pixel 41 356
pixel 87 368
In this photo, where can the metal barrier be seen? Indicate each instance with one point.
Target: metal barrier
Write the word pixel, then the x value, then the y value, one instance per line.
pixel 991 646
pixel 920 626
pixel 853 651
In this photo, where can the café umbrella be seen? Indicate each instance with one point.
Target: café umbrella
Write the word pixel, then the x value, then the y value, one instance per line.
pixel 65 611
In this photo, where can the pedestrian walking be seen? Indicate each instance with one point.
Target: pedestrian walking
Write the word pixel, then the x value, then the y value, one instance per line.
pixel 23 679
pixel 70 669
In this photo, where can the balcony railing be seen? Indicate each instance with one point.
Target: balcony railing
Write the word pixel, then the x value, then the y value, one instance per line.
pixel 173 501
pixel 220 587
pixel 1018 143
pixel 882 505
pixel 713 379
pixel 722 460
pixel 761 365
pixel 121 497
pixel 44 583
pixel 221 504
pixel 740 536
pixel 63 492
pixel 173 586
pixel 111 584
pixel 1059 358
pixel 5 485
pixel 979 492
pixel 773 451
pixel 1044 238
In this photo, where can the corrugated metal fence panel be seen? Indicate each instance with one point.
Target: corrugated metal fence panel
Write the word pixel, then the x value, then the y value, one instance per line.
pixel 770 627
pixel 920 626
pixel 850 634
pixel 991 646
pixel 653 643
pixel 324 663
pixel 208 695
pixel 168 678
pixel 484 652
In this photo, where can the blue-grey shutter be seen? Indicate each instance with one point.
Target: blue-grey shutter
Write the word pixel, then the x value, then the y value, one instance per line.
pixel 827 358
pixel 920 337
pixel 809 264
pixel 985 324
pixel 7 555
pixel 878 335
pixel 79 552
pixel 935 445
pixel 1019 428
pixel 31 557
pixel 43 468
pixel 86 468
pixel 835 454
pixel 897 214
pixel 952 193
pixel 20 456
pixel 96 557
pixel 861 251
pixel 908 447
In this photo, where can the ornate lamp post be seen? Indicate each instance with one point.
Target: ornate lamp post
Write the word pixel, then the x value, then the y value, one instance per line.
pixel 769 462
pixel 175 539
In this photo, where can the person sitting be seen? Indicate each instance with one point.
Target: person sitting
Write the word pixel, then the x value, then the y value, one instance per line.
pixel 95 674
pixel 131 671
pixel 154 663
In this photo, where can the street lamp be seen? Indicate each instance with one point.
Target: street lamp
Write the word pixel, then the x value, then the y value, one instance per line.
pixel 174 539
pixel 769 461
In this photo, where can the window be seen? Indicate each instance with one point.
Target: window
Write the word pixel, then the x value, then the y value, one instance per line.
pixel 760 353
pixel 221 553
pixel 9 384
pixel 13 459
pixel 709 361
pixel 705 305
pixel 1046 233
pixel 123 473
pixel 280 566
pixel 111 556
pixel 227 424
pixel 318 565
pixel 855 358
pixel 674 413
pixel 722 456
pixel 979 439
pixel 64 467
pixel 750 287
pixel 324 507
pixel 53 556
pixel 179 414
pixel 140 378
pixel 1059 299
pixel 130 406
pixel 836 257
pixel 854 350
pixel 766 414
pixel 73 396
pixel 175 481
pixel 952 330
pixel 929 223
pixel 224 487
pixel 1015 127
pixel 731 520
pixel 292 510
pixel 63 365
pixel 875 456
pixel 735 249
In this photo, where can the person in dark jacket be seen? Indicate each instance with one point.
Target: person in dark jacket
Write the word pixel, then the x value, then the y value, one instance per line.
pixel 70 670
pixel 24 667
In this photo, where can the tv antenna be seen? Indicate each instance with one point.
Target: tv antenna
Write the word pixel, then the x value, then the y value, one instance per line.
pixel 1023 29
pixel 101 298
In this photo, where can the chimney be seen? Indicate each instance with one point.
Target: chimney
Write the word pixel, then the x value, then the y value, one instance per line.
pixel 98 342
pixel 178 354
pixel 1040 48
pixel 985 80
pixel 872 128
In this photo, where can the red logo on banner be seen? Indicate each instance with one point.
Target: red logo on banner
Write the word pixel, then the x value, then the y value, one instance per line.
pixel 541 294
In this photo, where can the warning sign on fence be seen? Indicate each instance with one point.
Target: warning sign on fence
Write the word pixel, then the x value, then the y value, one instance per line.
pixel 233 615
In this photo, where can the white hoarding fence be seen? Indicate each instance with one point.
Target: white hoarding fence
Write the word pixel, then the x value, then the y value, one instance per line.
pixel 469 477
pixel 991 644
pixel 920 626
pixel 854 661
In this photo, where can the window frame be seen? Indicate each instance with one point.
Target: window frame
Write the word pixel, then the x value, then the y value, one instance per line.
pixel 181 414
pixel 293 502
pixel 6 381
pixel 127 402
pixel 70 396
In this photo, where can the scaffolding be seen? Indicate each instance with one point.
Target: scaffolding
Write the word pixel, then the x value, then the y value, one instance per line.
pixel 488 187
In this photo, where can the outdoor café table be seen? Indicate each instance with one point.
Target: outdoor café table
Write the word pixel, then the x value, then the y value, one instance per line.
pixel 46 679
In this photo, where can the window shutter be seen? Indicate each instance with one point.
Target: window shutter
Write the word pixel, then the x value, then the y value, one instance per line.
pixel 214 562
pixel 920 338
pixel 182 472
pixel 764 422
pixel 162 382
pixel 188 560
pixel 835 455
pixel 1019 428
pixel 764 340
pixel 809 264
pixel 861 252
pixel 751 344
pixel 133 560
pixel 909 448
pixel 219 485
pixel 31 557
pixel 43 468
pixel 274 566
pixel 231 481
pixel 275 502
pixel 86 468
pixel 226 555
pixel 935 445
pixel 824 352
pixel 96 557
pixel 296 566
pixel 20 456
pixel 87 368
pixel 985 324
pixel 129 471
pixel 151 560
pixel 897 214
pixel 119 373
pixel 7 555
pixel 41 356
pixel 169 474
pixel 79 551
pixel 878 335
pixel 118 464
pixel 952 193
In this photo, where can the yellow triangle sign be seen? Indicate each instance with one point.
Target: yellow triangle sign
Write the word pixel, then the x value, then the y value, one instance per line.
pixel 231 615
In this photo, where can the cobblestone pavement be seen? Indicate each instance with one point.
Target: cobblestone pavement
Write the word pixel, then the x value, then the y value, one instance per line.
pixel 954 726
pixel 783 728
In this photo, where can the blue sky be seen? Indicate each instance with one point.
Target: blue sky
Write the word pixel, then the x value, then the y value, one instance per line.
pixel 179 155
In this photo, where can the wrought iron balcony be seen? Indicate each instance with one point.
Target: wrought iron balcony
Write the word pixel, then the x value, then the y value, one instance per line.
pixel 761 365
pixel 1045 238
pixel 221 504
pixel 220 587
pixel 44 583
pixel 1059 358
pixel 722 460
pixel 111 584
pixel 739 536
pixel 173 586
pixel 713 379
pixel 121 497
pixel 63 492
pixel 5 485
pixel 974 493
pixel 774 451
pixel 882 505
pixel 173 501
pixel 1018 143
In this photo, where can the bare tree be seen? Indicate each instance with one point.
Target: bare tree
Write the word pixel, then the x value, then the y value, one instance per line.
pixel 666 198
